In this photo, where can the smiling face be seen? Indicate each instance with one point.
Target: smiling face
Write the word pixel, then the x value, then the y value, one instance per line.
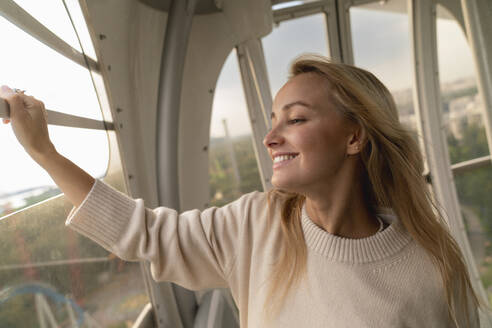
pixel 310 139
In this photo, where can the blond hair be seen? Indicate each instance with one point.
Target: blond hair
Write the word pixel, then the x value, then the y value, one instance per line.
pixel 391 160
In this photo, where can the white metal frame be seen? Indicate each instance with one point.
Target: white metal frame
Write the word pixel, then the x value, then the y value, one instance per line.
pixel 21 18
pixel 477 15
pixel 427 100
pixel 337 24
pixel 259 100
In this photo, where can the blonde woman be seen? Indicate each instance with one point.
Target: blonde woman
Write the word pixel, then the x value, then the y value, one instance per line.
pixel 349 237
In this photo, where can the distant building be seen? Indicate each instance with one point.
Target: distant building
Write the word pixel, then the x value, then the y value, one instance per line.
pixel 463 111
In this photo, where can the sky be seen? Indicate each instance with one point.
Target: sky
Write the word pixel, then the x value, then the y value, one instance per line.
pixel 380 41
pixel 381 44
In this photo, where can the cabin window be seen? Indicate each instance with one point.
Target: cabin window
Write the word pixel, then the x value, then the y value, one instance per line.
pixel 50 275
pixel 381 44
pixel 462 103
pixel 63 86
pixel 463 122
pixel 233 169
pixel 290 39
pixel 53 15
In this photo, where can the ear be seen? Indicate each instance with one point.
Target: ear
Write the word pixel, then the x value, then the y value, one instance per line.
pixel 356 140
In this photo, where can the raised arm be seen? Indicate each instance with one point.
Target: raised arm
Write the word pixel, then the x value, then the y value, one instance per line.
pixel 28 118
pixel 195 249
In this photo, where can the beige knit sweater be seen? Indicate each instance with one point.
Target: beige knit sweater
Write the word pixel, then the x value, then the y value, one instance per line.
pixel 385 280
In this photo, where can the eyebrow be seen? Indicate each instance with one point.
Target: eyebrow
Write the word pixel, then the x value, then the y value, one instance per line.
pixel 288 106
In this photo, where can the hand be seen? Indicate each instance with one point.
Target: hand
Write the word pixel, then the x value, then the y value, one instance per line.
pixel 28 118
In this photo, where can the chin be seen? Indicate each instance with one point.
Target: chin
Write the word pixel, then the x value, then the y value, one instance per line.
pixel 286 184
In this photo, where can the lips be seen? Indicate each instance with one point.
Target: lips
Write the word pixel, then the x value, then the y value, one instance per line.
pixel 282 159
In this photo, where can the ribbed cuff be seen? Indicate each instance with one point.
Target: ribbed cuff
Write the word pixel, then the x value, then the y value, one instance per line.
pixel 102 215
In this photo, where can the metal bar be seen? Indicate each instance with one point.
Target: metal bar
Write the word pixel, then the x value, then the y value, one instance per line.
pixel 62 119
pixel 298 11
pixel 472 164
pixel 333 31
pixel 22 19
pixel 178 29
pixel 232 156
pixel 39 311
pixel 259 102
pixel 146 318
pixel 344 31
pixel 427 100
pixel 477 15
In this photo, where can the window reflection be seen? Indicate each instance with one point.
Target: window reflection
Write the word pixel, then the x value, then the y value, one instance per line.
pixel 48 272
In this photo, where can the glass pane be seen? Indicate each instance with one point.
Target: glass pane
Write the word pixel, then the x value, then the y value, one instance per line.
pixel 233 169
pixel 81 26
pixel 462 105
pixel 474 190
pixel 52 15
pixel 381 42
pixel 290 39
pixel 61 84
pixel 47 270
pixel 25 183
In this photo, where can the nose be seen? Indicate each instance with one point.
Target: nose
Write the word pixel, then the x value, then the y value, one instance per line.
pixel 272 138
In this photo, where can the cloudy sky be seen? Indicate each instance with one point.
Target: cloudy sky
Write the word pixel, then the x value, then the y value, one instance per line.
pixel 381 44
pixel 380 40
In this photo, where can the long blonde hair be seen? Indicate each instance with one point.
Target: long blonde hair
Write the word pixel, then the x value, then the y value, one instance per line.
pixel 393 178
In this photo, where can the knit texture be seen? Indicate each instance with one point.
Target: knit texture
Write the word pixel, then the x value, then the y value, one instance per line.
pixel 385 280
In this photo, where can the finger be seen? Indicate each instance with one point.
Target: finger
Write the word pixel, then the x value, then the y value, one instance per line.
pixel 14 100
pixel 5 91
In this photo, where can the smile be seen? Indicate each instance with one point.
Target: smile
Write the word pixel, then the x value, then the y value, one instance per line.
pixel 283 159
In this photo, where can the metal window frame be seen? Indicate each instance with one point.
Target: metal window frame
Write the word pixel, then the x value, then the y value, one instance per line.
pixel 476 15
pixel 305 9
pixel 422 15
pixel 258 96
pixel 338 29
pixel 22 19
pixel 472 164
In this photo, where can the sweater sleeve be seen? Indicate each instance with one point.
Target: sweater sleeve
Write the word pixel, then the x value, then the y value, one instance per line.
pixel 194 249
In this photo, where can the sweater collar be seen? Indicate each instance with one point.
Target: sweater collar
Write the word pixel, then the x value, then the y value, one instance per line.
pixel 373 248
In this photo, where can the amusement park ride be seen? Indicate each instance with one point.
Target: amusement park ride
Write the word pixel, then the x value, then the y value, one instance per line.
pixel 133 91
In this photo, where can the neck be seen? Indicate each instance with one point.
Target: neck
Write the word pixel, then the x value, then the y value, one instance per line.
pixel 342 210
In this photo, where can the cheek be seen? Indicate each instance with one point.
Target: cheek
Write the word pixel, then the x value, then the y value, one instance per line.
pixel 325 149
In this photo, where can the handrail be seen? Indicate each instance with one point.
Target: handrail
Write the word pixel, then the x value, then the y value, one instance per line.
pixel 62 119
pixel 472 164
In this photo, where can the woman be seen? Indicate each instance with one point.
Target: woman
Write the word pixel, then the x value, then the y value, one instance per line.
pixel 348 237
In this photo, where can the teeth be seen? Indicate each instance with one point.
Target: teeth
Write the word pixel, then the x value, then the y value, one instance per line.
pixel 282 158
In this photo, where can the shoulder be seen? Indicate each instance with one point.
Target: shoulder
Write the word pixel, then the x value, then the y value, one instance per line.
pixel 248 207
pixel 252 211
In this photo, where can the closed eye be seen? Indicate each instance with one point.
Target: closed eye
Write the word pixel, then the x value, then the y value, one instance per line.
pixel 296 120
